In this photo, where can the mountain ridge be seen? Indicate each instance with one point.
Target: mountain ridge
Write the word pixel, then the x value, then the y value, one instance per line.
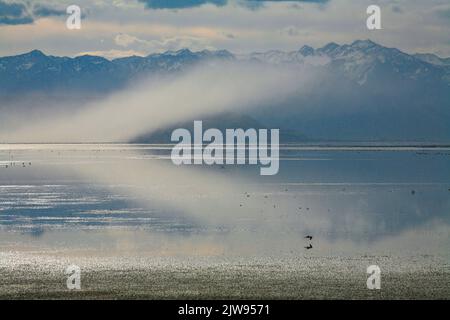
pixel 36 70
pixel 366 92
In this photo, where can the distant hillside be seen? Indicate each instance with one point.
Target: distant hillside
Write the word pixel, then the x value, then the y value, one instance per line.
pixel 222 122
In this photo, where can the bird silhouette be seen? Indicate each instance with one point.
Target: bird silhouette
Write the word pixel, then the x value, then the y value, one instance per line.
pixel 309 247
pixel 309 237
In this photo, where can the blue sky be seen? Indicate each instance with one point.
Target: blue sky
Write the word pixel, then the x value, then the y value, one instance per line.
pixel 115 28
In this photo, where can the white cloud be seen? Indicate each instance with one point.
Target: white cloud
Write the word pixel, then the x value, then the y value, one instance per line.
pixel 113 53
pixel 164 44
pixel 418 26
pixel 125 40
pixel 177 43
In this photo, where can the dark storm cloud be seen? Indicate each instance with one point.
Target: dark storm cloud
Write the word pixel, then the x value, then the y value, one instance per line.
pixel 180 4
pixel 14 13
pixel 42 11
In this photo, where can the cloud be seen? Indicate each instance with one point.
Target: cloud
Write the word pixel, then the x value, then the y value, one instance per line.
pixel 165 44
pixel 158 103
pixel 397 9
pixel 234 27
pixel 125 40
pixel 178 43
pixel 229 35
pixel 292 31
pixel 256 4
pixel 182 4
pixel 15 13
pixel 444 14
pixel 44 11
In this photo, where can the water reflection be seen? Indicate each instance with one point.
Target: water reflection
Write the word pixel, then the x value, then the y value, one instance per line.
pixel 350 199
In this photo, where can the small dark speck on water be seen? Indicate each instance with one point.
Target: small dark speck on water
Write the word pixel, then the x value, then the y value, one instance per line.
pixel 413 192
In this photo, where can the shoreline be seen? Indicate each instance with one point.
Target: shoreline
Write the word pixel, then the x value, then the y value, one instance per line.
pixel 37 276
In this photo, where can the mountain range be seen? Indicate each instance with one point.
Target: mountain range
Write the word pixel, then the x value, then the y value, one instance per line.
pixel 370 92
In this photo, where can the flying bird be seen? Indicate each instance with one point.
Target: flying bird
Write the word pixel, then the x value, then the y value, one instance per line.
pixel 309 247
pixel 309 237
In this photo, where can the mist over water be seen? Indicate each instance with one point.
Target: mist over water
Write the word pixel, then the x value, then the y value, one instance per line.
pixel 159 102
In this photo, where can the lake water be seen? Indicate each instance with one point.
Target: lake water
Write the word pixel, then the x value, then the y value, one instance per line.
pixel 69 202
